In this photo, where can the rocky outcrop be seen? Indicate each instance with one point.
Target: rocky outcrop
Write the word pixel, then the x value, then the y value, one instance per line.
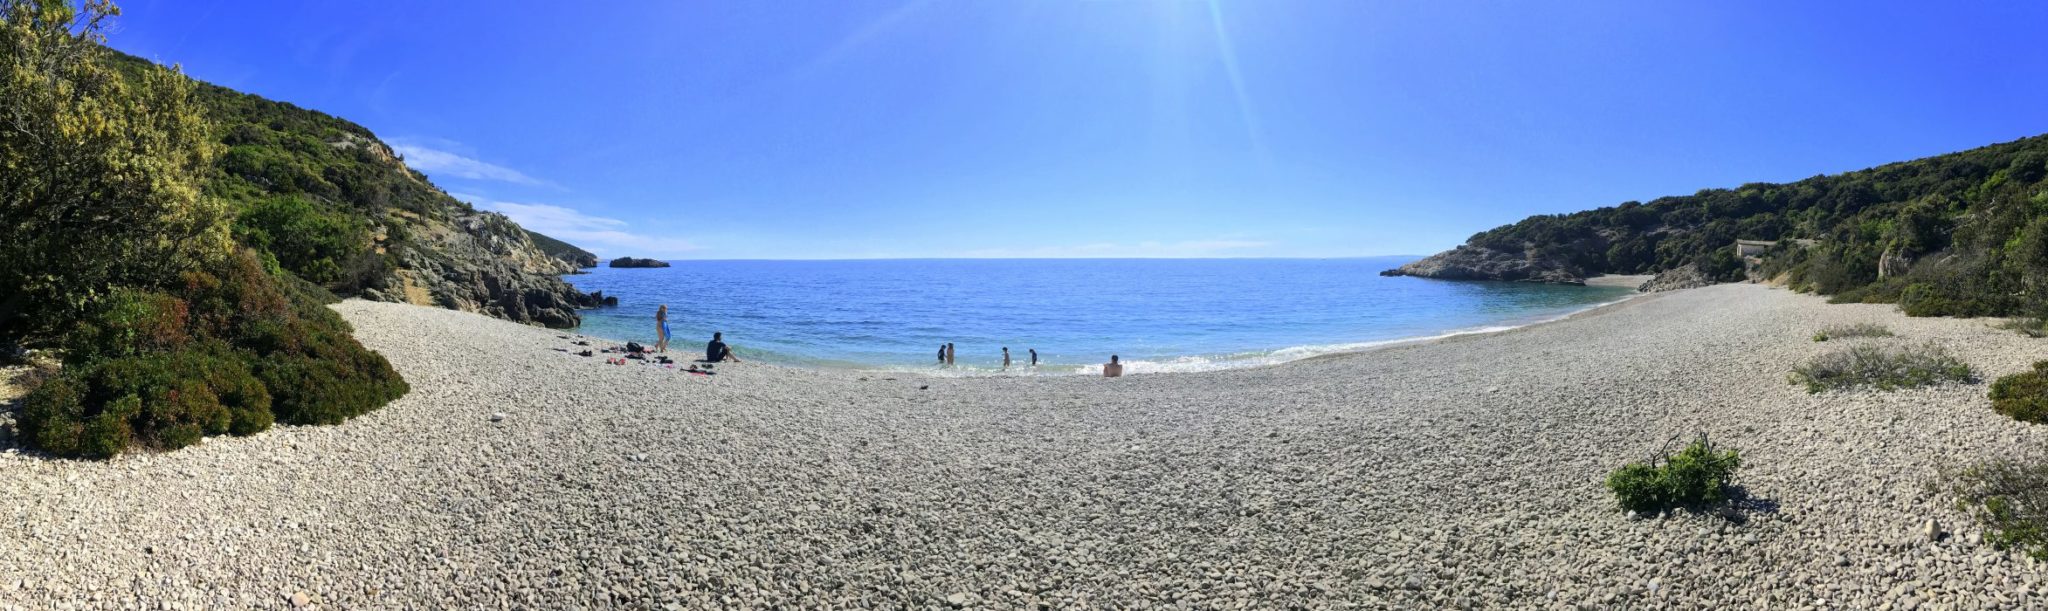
pixel 1479 263
pixel 632 262
pixel 1681 277
pixel 482 262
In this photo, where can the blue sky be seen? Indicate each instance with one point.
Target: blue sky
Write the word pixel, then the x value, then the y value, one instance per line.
pixel 853 129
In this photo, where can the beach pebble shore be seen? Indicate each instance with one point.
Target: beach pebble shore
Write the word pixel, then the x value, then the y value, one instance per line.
pixel 1461 473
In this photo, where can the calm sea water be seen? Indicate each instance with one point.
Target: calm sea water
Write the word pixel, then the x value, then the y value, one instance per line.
pixel 1157 314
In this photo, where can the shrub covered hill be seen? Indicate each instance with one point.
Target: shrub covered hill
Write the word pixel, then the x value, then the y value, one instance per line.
pixel 174 246
pixel 565 251
pixel 337 208
pixel 1962 234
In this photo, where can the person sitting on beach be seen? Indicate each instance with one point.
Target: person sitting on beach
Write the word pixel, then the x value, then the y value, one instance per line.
pixel 1113 369
pixel 717 351
pixel 661 328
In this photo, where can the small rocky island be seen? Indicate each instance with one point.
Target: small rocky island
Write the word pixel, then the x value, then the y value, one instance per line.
pixel 632 262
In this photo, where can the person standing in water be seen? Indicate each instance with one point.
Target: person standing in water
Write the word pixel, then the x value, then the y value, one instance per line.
pixel 1113 369
pixel 942 354
pixel 1034 358
pixel 661 328
pixel 949 353
pixel 1006 358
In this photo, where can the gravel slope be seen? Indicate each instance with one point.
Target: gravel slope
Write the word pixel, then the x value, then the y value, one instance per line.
pixel 1458 473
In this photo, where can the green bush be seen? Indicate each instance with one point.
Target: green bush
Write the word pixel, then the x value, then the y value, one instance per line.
pixel 129 322
pixel 1883 368
pixel 315 244
pixel 1696 477
pixel 2009 496
pixel 2030 327
pixel 159 401
pixel 2023 396
pixel 1847 331
pixel 246 355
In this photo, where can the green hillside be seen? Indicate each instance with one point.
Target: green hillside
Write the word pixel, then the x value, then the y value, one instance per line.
pixel 563 250
pixel 174 245
pixel 1959 234
pixel 334 205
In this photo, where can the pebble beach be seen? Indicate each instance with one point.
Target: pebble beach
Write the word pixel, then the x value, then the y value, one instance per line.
pixel 1464 472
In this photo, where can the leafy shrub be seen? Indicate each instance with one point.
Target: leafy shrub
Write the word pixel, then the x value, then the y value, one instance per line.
pixel 249 356
pixel 2023 396
pixel 1697 476
pixel 2030 327
pixel 1883 368
pixel 1863 329
pixel 315 244
pixel 127 323
pixel 2009 496
pixel 320 375
pixel 159 401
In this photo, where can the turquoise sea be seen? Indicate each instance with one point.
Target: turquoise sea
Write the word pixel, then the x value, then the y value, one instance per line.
pixel 1157 314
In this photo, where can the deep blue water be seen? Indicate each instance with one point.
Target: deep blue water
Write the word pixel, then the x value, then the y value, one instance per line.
pixel 1157 314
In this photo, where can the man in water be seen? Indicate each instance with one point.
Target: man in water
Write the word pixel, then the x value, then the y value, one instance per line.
pixel 942 354
pixel 717 351
pixel 1113 369
pixel 1006 358
pixel 1034 357
pixel 949 353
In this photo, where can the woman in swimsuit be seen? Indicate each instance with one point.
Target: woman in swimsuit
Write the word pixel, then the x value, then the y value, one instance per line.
pixel 661 327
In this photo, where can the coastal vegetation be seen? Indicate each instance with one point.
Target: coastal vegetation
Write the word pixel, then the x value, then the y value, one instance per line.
pixel 1852 330
pixel 2024 395
pixel 1882 368
pixel 1962 234
pixel 2030 327
pixel 1698 476
pixel 563 250
pixel 2009 496
pixel 179 310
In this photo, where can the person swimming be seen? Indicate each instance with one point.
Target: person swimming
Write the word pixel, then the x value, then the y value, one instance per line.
pixel 661 328
pixel 717 351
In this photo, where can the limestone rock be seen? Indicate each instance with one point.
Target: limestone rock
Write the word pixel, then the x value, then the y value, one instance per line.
pixel 1681 277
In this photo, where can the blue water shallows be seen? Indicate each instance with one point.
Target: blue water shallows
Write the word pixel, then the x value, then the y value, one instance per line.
pixel 1157 314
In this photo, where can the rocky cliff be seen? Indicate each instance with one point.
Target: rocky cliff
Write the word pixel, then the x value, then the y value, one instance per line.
pixel 482 262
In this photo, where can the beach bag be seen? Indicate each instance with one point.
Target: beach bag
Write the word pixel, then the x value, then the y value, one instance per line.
pixel 634 347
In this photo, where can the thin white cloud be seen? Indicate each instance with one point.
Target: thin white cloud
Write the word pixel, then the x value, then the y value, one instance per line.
pixel 1112 250
pixel 437 162
pixel 605 236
